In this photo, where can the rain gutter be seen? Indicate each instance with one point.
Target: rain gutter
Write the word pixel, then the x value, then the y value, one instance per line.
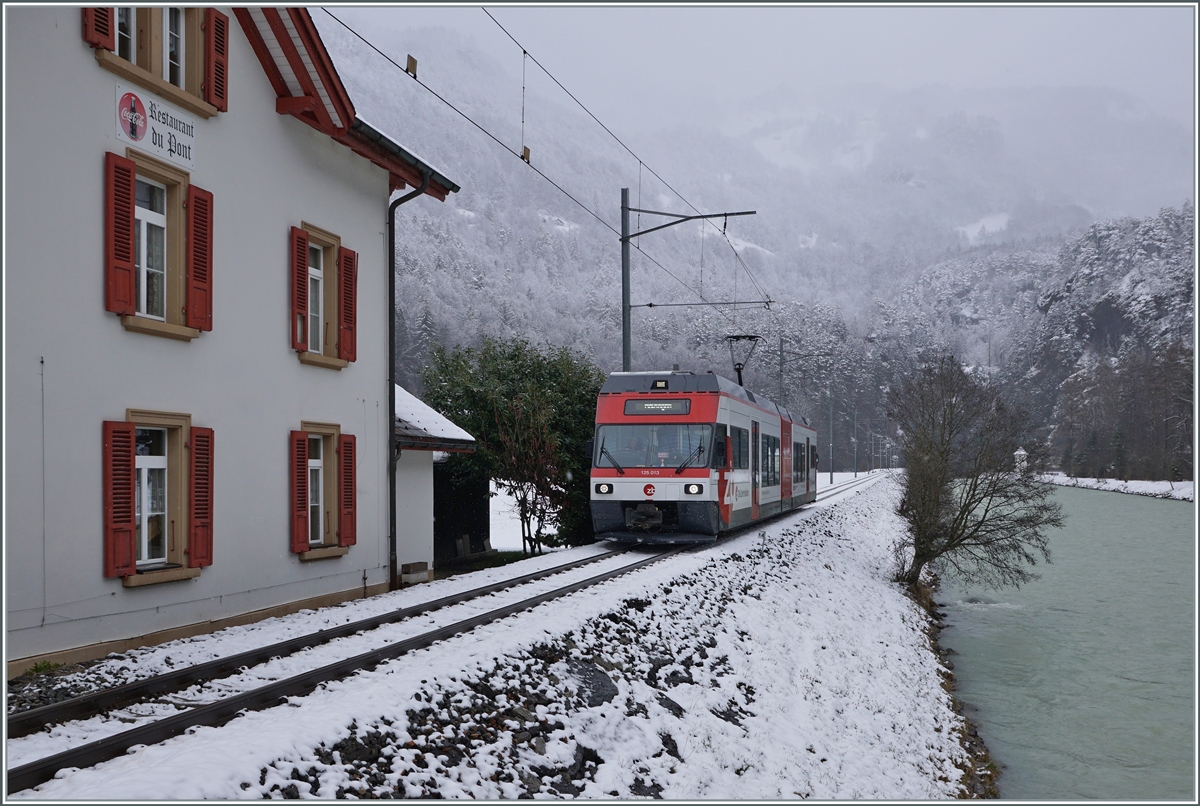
pixel 393 448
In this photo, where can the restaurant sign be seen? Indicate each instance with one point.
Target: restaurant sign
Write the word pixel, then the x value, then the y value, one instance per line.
pixel 154 126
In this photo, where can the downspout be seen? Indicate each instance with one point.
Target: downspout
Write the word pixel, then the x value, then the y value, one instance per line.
pixel 393 451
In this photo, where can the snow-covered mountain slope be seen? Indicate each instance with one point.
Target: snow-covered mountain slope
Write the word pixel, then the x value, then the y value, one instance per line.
pixel 855 189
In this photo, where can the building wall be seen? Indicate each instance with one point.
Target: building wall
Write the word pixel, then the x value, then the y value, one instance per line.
pixel 414 508
pixel 70 365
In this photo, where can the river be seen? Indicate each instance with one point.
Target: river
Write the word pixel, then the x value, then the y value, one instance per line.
pixel 1082 682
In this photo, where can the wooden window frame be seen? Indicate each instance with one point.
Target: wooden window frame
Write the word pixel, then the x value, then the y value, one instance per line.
pixel 178 426
pixel 330 434
pixel 149 68
pixel 330 246
pixel 176 182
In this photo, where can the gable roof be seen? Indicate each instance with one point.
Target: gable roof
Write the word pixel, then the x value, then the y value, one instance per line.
pixel 421 427
pixel 308 87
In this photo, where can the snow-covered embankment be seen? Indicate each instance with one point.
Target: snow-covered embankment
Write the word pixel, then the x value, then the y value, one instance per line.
pixel 780 665
pixel 1179 490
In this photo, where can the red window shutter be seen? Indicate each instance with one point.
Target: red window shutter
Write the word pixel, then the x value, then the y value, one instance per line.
pixel 119 491
pixel 347 510
pixel 299 490
pixel 347 306
pixel 120 178
pixel 100 27
pixel 198 311
pixel 298 260
pixel 200 485
pixel 216 58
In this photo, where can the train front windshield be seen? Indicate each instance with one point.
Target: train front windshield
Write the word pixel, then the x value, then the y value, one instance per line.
pixel 653 445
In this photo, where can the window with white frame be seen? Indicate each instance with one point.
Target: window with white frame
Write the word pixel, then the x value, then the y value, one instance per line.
pixel 173 46
pixel 150 249
pixel 127 34
pixel 316 281
pixel 316 485
pixel 150 527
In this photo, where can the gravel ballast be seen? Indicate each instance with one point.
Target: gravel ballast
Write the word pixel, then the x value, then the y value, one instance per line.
pixel 778 665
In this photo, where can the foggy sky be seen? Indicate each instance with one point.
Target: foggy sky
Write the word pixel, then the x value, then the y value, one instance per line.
pixel 640 68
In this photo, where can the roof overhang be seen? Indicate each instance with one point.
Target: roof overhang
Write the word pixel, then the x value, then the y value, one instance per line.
pixel 414 443
pixel 307 87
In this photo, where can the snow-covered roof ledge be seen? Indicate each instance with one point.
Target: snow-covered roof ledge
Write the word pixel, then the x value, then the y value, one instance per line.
pixel 418 427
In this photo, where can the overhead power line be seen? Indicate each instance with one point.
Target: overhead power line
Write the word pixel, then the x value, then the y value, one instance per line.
pixel 641 162
pixel 558 187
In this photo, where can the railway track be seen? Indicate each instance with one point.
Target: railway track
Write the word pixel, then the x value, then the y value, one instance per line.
pixel 222 710
pixel 95 704
pixel 849 484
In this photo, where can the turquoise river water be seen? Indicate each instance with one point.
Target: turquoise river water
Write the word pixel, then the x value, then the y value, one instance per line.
pixel 1083 682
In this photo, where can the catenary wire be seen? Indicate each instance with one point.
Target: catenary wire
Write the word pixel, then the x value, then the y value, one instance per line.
pixel 501 143
pixel 641 163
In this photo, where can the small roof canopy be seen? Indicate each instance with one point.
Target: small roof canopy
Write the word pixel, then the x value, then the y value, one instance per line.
pixel 421 428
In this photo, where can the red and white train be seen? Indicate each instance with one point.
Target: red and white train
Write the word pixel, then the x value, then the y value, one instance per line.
pixel 679 458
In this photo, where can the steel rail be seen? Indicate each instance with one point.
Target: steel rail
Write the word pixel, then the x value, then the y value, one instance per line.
pixel 30 721
pixel 842 486
pixel 222 711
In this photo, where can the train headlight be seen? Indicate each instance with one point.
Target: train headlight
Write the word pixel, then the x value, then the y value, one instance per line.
pixel 604 489
pixel 693 489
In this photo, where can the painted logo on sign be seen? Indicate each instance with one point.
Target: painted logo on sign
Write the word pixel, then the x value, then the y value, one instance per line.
pixel 648 490
pixel 133 116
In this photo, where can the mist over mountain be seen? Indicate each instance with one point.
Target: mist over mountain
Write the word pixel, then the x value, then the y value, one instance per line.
pixel 931 217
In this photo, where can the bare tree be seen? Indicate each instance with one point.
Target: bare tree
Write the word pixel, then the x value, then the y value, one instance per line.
pixel 971 508
pixel 528 456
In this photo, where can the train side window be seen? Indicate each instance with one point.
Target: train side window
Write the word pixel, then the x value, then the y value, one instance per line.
pixel 740 438
pixel 770 461
pixel 798 468
pixel 719 447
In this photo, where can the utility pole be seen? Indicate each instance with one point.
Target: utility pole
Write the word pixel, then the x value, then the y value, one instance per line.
pixel 626 345
pixel 831 435
pixel 626 236
pixel 854 439
pixel 793 356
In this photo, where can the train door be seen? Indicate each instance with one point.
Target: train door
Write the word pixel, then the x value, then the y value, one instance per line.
pixel 785 461
pixel 723 462
pixel 808 471
pixel 754 470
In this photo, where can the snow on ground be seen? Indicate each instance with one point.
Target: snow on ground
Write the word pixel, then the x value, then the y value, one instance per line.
pixel 1182 490
pixel 778 664
pixel 506 524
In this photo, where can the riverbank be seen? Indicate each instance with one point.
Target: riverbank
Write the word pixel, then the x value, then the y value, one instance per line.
pixel 781 664
pixel 981 776
pixel 1179 490
pixel 1082 681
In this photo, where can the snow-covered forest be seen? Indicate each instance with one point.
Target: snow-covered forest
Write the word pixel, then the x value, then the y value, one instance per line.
pixel 1043 234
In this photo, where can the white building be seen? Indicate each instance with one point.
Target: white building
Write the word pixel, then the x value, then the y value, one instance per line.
pixel 196 348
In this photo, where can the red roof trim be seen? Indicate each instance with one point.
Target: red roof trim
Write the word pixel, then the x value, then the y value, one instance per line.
pixel 309 107
pixel 338 96
pixel 397 169
pixel 250 28
pixel 323 120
